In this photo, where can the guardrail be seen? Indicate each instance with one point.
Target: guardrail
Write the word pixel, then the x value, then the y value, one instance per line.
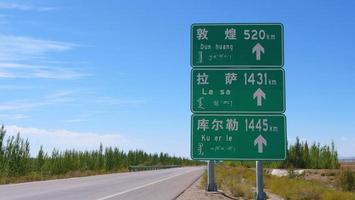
pixel 145 168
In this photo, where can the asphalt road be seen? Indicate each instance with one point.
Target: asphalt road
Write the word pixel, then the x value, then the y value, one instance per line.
pixel 147 185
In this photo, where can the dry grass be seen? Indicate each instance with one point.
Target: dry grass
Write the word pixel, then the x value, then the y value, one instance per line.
pixel 235 181
pixel 348 165
pixel 239 182
pixel 300 188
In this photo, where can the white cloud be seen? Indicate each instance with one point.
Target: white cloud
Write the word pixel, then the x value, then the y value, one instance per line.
pixel 6 75
pixel 106 100
pixel 27 104
pixel 75 120
pixel 56 73
pixel 14 48
pixel 62 97
pixel 8 65
pixel 24 7
pixel 343 138
pixel 82 117
pixel 18 87
pixel 26 57
pixel 59 94
pixel 4 19
pixel 65 139
pixel 20 105
pixel 13 116
pixel 39 72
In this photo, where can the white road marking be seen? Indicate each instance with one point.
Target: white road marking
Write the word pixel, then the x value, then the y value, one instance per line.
pixel 145 185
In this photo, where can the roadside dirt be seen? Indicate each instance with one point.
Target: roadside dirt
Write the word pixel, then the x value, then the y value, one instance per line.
pixel 196 193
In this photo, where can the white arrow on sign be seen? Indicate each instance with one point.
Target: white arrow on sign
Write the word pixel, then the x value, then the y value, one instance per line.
pixel 258 49
pixel 259 95
pixel 260 141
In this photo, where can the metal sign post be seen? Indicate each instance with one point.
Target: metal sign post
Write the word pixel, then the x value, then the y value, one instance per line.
pixel 211 185
pixel 260 194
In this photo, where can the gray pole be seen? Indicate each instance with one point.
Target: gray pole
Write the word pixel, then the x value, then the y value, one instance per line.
pixel 260 195
pixel 211 185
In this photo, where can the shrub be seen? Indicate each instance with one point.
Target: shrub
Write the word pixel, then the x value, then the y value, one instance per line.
pixel 346 180
pixel 242 190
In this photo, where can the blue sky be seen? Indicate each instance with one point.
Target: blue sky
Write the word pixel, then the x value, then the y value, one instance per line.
pixel 77 73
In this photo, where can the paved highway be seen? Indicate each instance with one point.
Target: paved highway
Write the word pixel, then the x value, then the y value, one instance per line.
pixel 147 185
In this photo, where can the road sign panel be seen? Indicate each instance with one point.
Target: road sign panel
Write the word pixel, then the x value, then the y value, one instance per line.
pixel 237 90
pixel 232 45
pixel 238 137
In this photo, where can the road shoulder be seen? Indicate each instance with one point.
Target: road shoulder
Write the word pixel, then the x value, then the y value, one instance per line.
pixel 194 192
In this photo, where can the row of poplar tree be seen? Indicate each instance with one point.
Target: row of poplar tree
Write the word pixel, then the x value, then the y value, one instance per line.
pixel 302 155
pixel 315 156
pixel 15 159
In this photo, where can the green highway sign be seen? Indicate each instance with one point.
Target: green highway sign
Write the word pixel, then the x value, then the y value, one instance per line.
pixel 238 137
pixel 233 45
pixel 237 90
